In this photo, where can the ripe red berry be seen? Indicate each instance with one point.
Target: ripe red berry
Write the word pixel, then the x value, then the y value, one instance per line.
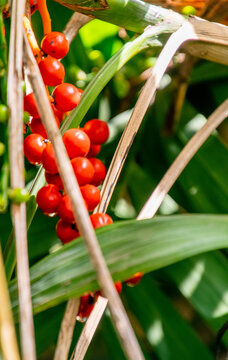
pixel 65 210
pixel 91 195
pixel 59 114
pixel 48 159
pixel 77 143
pixel 83 170
pixel 66 97
pixel 30 105
pixel 34 145
pixel 118 286
pixel 135 279
pixel 97 130
pixel 99 171
pixel 100 219
pixel 52 71
pixel 48 198
pixel 93 151
pixel 87 302
pixel 66 232
pixel 55 44
pixel 37 127
pixel 54 179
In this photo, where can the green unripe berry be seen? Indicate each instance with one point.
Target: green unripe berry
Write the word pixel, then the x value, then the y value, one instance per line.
pixel 4 113
pixel 18 195
pixel 189 10
pixel 97 58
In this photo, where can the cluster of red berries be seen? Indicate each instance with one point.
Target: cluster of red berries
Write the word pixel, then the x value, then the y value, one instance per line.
pixel 82 146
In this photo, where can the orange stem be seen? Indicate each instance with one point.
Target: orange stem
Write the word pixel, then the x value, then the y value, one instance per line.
pixel 32 39
pixel 42 7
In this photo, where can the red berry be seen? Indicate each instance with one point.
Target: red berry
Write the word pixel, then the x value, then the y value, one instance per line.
pixel 77 143
pixel 30 105
pixel 33 6
pixel 66 232
pixel 91 195
pixel 100 219
pixel 66 97
pixel 37 127
pixel 86 306
pixel 118 286
pixel 93 151
pixel 99 171
pixel 48 198
pixel 65 210
pixel 97 130
pixel 135 279
pixel 83 170
pixel 34 145
pixel 52 71
pixel 55 44
pixel 57 113
pixel 54 179
pixel 48 159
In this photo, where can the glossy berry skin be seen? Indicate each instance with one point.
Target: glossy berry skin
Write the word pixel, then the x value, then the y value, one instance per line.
pixel 66 97
pixel 37 127
pixel 59 114
pixel 52 71
pixel 48 159
pixel 93 151
pixel 97 130
pixel 91 195
pixel 54 179
pixel 100 219
pixel 77 143
pixel 87 302
pixel 48 198
pixel 66 232
pixel 65 210
pixel 30 105
pixel 83 170
pixel 34 146
pixel 135 279
pixel 99 171
pixel 55 44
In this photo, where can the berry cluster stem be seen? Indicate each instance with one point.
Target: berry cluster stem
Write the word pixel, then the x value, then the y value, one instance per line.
pixel 120 318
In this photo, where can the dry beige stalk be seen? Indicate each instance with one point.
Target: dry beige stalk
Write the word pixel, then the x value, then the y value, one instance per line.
pixel 76 21
pixel 16 155
pixel 89 329
pixel 8 340
pixel 66 330
pixel 119 316
pixel 213 45
pixel 151 206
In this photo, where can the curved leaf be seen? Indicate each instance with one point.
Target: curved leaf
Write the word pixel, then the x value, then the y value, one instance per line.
pixel 128 247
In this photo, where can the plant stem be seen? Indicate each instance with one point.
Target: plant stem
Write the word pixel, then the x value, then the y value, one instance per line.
pixel 16 155
pixel 8 340
pixel 151 206
pixel 133 15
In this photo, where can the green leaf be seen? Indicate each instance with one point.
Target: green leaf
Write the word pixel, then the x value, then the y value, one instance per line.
pixel 203 281
pixel 128 247
pixel 170 336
